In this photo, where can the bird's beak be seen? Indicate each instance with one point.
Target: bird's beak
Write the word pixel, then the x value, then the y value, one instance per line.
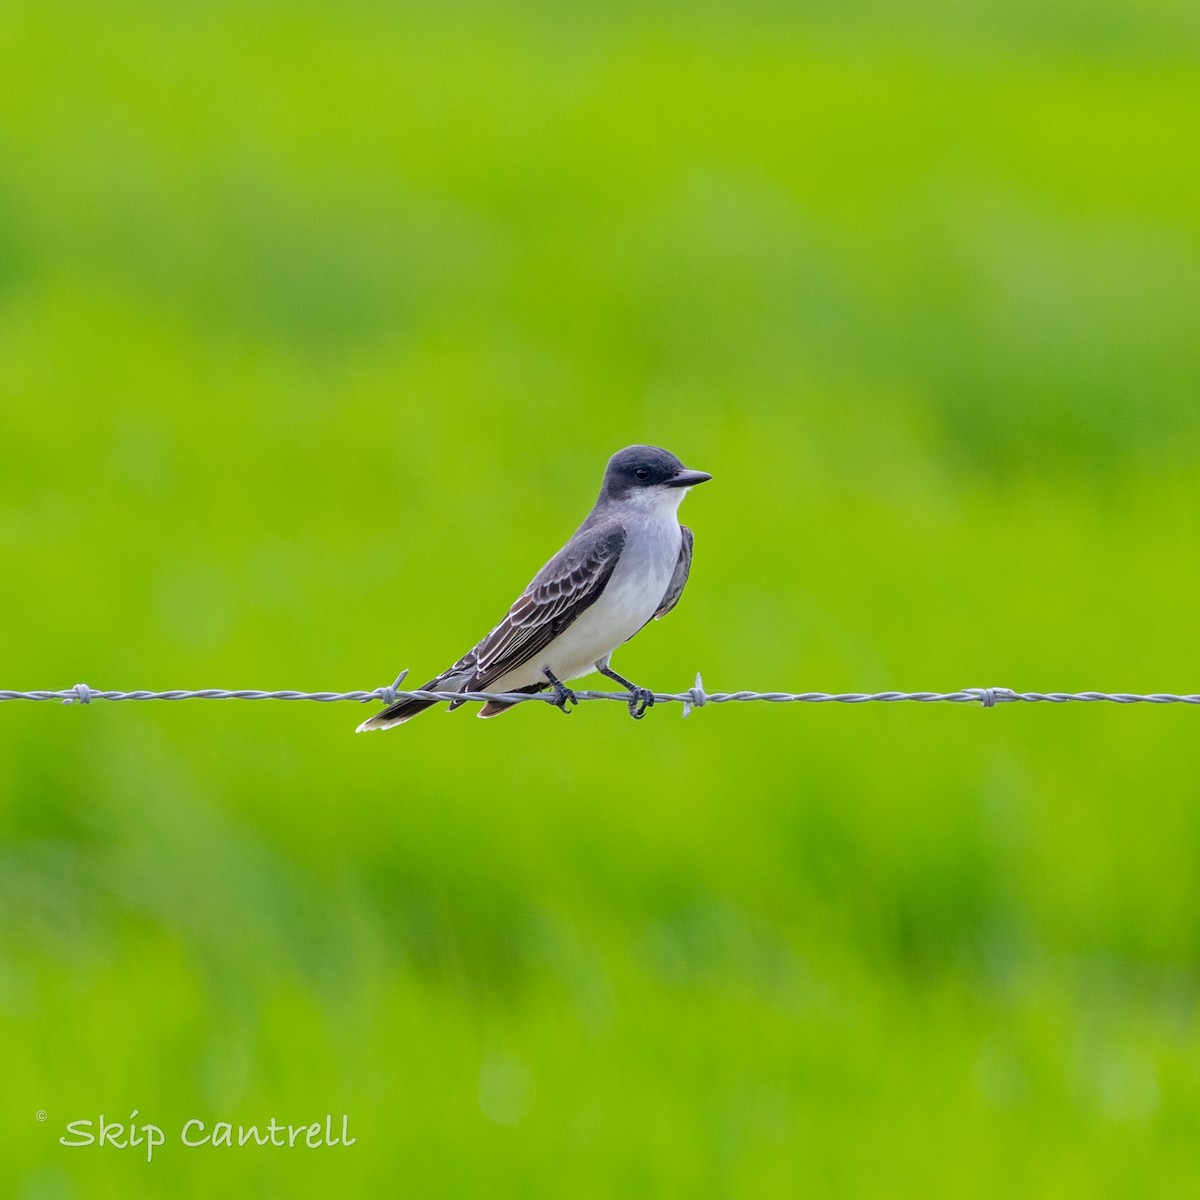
pixel 689 479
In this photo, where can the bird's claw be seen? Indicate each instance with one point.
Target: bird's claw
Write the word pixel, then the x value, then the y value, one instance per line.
pixel 639 701
pixel 562 695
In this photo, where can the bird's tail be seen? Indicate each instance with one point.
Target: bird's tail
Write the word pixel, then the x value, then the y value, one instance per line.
pixel 405 710
pixel 493 708
pixel 450 681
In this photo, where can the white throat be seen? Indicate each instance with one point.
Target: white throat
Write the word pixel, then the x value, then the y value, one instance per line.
pixel 662 502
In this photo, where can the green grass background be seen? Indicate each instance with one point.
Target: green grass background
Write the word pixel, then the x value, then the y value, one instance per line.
pixel 317 325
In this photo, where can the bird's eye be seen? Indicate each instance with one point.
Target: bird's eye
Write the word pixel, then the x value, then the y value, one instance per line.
pixel 642 473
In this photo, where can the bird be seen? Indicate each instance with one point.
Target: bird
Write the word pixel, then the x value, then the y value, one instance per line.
pixel 626 565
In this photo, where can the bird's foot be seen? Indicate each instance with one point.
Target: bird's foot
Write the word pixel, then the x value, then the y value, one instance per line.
pixel 562 694
pixel 640 698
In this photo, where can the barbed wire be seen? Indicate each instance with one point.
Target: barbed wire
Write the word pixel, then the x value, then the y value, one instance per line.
pixel 694 697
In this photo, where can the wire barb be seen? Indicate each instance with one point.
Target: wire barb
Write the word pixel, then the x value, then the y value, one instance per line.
pixel 388 694
pixel 695 697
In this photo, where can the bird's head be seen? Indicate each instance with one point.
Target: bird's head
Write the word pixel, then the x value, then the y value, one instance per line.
pixel 649 475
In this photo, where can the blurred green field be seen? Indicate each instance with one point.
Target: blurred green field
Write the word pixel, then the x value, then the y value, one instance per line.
pixel 317 325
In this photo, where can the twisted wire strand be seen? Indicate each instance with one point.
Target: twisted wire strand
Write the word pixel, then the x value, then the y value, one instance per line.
pixel 694 697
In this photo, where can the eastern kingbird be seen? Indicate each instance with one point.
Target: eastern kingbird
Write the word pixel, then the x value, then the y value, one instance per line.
pixel 628 562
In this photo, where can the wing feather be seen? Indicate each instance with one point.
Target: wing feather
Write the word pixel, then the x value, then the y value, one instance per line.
pixel 680 577
pixel 570 583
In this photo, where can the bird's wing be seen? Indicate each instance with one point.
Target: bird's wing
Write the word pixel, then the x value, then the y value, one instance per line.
pixel 682 567
pixel 568 584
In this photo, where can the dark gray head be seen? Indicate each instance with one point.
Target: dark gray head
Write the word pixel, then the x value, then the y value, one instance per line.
pixel 648 472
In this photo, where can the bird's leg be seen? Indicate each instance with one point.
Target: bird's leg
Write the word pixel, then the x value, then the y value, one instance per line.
pixel 562 694
pixel 640 698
